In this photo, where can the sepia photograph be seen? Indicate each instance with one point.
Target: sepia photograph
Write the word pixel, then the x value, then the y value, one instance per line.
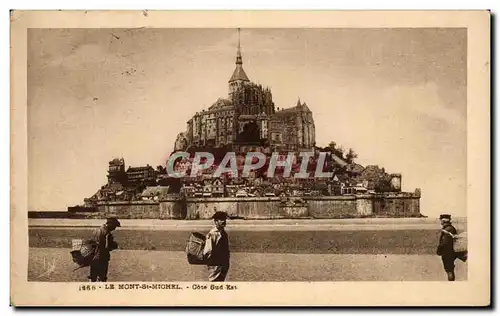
pixel 205 158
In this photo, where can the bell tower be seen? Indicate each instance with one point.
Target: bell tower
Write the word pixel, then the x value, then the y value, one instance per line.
pixel 239 76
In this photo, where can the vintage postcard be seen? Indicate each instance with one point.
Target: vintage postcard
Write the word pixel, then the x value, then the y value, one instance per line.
pixel 250 158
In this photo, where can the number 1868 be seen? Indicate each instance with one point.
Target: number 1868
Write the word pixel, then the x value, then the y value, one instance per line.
pixel 87 288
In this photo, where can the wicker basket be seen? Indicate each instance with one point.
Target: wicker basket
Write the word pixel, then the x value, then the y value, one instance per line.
pixel 83 252
pixel 76 244
pixel 194 248
pixel 460 242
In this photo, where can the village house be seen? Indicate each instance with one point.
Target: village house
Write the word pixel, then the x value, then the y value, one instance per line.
pixel 155 193
pixel 231 190
pixel 188 190
pixel 141 175
pixel 217 188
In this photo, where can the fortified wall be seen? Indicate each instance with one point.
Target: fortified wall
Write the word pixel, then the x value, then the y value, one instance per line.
pixel 326 207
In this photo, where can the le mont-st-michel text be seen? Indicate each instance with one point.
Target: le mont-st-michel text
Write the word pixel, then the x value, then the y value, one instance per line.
pixel 158 286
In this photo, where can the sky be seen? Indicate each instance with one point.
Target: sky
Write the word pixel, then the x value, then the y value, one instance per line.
pixel 396 96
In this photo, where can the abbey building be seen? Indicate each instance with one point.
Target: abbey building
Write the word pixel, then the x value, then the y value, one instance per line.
pixel 248 116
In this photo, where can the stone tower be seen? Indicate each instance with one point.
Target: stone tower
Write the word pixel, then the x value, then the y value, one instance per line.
pixel 239 76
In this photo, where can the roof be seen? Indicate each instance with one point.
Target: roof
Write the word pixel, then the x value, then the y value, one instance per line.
pixel 220 103
pixel 132 169
pixel 287 111
pixel 299 107
pixel 355 168
pixel 293 110
pixel 342 177
pixel 239 74
pixel 155 191
pixel 338 160
pixel 117 161
pixel 305 107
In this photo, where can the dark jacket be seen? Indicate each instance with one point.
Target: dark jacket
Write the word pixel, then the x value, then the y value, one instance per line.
pixel 105 243
pixel 216 250
pixel 445 247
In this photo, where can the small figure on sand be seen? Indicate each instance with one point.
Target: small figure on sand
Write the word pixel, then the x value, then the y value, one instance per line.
pixel 446 248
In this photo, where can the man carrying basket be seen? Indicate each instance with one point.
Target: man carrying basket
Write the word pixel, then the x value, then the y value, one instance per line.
pixel 216 250
pixel 447 248
pixel 105 244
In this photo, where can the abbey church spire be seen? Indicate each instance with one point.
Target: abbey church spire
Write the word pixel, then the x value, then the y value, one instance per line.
pixel 239 74
pixel 239 60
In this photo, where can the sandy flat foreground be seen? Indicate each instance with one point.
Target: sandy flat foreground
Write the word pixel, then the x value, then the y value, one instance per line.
pixel 55 265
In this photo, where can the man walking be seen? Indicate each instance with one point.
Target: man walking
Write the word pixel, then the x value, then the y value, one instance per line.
pixel 105 244
pixel 216 250
pixel 445 247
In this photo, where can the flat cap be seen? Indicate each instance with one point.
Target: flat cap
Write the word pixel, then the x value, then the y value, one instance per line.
pixel 445 216
pixel 219 215
pixel 114 221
